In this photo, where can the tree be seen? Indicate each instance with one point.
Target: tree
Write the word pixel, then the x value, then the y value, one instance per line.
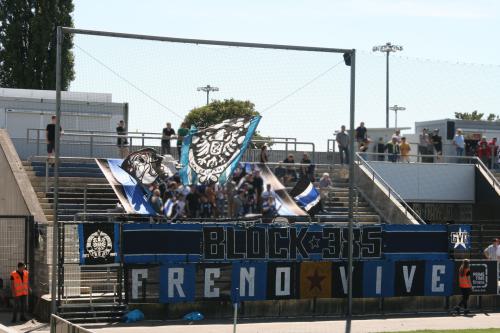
pixel 474 115
pixel 217 111
pixel 28 43
pixel 493 117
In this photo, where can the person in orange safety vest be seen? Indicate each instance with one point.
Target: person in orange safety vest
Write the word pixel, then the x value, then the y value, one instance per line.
pixel 465 284
pixel 19 285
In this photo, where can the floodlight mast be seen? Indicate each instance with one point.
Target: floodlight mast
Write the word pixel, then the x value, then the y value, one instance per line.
pixel 208 88
pixel 396 108
pixel 387 48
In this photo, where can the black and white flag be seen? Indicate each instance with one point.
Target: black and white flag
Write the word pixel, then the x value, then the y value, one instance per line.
pixel 211 155
pixel 98 243
pixel 306 196
pixel 146 165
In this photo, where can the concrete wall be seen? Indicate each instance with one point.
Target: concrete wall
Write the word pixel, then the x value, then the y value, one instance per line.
pixel 17 197
pixel 429 182
pixel 389 209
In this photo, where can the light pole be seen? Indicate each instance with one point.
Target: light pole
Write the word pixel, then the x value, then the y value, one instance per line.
pixel 396 108
pixel 387 48
pixel 208 88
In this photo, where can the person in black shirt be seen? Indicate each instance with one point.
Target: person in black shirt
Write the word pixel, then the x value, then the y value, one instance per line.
pixel 165 139
pixel 50 136
pixel 437 142
pixel 206 208
pixel 361 134
pixel 380 149
pixel 193 202
pixel 122 142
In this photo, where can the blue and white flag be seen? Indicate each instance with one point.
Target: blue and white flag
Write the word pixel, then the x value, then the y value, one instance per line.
pixel 212 154
pixel 306 196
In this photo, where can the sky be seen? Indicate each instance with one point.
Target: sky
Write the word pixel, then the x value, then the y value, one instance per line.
pixel 450 60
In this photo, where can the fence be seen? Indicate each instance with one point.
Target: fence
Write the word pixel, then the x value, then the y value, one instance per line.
pixel 16 245
pixel 78 281
pixel 60 325
pixel 103 144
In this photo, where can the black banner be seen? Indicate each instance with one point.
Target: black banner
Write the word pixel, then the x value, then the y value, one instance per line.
pixel 98 243
pixel 483 274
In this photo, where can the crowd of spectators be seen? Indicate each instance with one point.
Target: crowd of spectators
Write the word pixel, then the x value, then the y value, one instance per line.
pixel 429 147
pixel 243 195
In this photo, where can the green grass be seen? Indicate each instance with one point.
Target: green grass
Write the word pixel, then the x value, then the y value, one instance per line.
pixel 485 330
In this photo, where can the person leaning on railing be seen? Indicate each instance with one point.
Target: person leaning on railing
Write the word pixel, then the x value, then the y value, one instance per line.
pixel 459 142
pixel 121 142
pixel 404 148
pixel 483 151
pixel 492 163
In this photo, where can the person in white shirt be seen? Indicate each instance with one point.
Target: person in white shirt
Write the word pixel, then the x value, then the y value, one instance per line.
pixel 268 193
pixel 397 135
pixel 492 252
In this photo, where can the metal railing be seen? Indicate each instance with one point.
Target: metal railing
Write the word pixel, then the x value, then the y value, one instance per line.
pixel 135 140
pixel 492 179
pixel 408 211
pixel 60 325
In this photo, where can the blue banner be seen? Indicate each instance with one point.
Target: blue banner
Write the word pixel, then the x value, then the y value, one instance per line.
pixel 254 281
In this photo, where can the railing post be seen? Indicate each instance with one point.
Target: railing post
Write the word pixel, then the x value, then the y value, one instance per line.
pixel 142 145
pixel 91 145
pixel 85 201
pixel 46 175
pixel 235 317
pixel 38 142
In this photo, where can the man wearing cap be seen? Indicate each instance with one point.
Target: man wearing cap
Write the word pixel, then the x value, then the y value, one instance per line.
pixel 19 285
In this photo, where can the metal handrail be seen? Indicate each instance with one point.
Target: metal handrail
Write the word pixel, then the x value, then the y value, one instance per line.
pixel 494 181
pixel 132 137
pixel 376 175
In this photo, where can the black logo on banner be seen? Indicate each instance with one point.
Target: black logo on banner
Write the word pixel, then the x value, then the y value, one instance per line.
pixel 483 274
pixel 98 244
pixel 288 243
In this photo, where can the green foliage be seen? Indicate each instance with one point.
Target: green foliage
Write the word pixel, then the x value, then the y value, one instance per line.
pixel 28 43
pixel 217 111
pixel 474 115
pixel 469 116
pixel 493 117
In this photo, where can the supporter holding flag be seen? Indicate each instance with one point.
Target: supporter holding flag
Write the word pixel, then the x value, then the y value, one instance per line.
pixel 307 196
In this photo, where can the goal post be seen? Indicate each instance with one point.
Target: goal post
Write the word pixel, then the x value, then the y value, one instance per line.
pixel 349 56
